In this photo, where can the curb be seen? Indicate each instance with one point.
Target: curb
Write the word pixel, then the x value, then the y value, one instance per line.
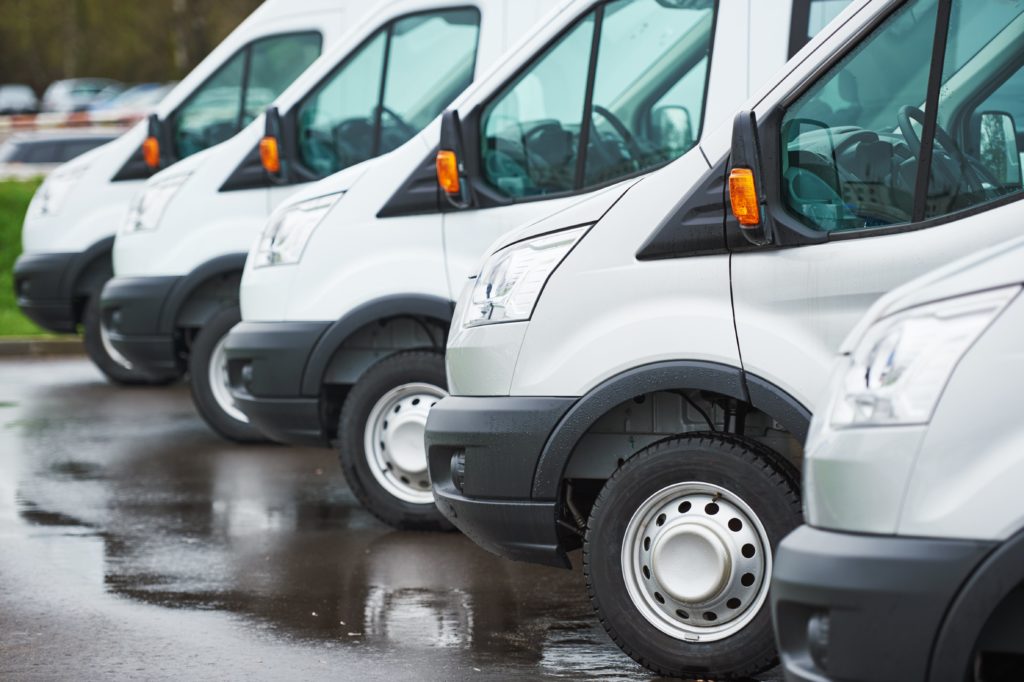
pixel 14 348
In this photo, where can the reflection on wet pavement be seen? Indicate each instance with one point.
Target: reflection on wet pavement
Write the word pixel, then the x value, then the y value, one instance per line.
pixel 137 543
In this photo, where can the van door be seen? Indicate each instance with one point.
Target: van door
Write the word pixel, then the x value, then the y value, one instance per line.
pixel 619 92
pixel 852 146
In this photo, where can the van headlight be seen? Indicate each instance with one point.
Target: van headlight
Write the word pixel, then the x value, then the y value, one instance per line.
pixel 148 206
pixel 288 231
pixel 512 279
pixel 55 189
pixel 898 370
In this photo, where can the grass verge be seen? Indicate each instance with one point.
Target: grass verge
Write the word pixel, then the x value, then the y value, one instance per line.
pixel 14 198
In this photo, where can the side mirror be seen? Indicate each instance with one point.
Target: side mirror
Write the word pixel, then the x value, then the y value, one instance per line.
pixel 671 128
pixel 746 181
pixel 451 169
pixel 998 150
pixel 270 146
pixel 151 145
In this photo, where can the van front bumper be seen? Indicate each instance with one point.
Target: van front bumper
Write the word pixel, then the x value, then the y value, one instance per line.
pixel 131 310
pixel 41 290
pixel 266 365
pixel 482 454
pixel 865 607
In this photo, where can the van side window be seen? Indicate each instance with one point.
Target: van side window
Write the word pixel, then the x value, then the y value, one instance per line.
pixel 360 111
pixel 852 144
pixel 563 126
pixel 976 156
pixel 239 91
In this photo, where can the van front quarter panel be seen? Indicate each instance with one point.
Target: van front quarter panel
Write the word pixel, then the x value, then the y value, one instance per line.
pixel 188 236
pixel 82 220
pixel 604 312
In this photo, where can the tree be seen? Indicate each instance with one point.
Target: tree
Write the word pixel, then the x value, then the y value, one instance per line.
pixel 128 40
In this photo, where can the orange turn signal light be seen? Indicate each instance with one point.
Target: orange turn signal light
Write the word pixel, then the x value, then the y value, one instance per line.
pixel 743 195
pixel 151 152
pixel 448 172
pixel 270 154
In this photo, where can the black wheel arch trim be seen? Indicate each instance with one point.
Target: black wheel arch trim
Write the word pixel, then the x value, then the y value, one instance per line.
pixel 991 582
pixel 714 377
pixel 779 405
pixel 397 305
pixel 101 253
pixel 187 285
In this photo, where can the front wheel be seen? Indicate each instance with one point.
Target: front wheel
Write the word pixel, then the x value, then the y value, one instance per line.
pixel 678 554
pixel 117 368
pixel 211 390
pixel 380 439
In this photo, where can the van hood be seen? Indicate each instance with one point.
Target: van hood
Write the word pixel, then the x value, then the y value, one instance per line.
pixel 586 211
pixel 991 268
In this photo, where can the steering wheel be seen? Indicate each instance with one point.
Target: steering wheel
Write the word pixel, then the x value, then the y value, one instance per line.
pixel 627 137
pixel 189 141
pixel 974 179
pixel 854 138
pixel 407 129
pixel 320 144
pixel 541 169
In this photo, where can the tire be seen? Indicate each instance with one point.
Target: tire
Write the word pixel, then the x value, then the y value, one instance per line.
pixel 390 480
pixel 681 498
pixel 213 401
pixel 115 368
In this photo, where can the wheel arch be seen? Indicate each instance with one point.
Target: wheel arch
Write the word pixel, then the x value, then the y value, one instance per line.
pixel 202 292
pixel 418 306
pixel 89 271
pixel 991 583
pixel 725 380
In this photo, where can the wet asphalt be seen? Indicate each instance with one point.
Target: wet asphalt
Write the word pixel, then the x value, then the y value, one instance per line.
pixel 136 544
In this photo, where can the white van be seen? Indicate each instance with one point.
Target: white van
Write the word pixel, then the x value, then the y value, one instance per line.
pixel 345 323
pixel 179 256
pixel 69 229
pixel 911 566
pixel 636 374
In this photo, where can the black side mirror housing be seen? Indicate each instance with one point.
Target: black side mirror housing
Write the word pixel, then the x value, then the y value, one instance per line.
pixel 273 128
pixel 156 130
pixel 746 156
pixel 451 144
pixel 153 126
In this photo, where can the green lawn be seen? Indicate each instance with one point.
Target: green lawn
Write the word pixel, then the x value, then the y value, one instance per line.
pixel 14 198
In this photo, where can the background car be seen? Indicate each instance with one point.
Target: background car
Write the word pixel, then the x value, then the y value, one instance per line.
pixel 28 155
pixel 140 97
pixel 76 94
pixel 18 99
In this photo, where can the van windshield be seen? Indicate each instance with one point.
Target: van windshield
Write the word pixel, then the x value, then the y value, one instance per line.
pixel 549 133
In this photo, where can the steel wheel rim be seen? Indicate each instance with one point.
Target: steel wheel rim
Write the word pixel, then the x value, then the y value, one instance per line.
pixel 113 353
pixel 220 383
pixel 696 561
pixel 393 441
